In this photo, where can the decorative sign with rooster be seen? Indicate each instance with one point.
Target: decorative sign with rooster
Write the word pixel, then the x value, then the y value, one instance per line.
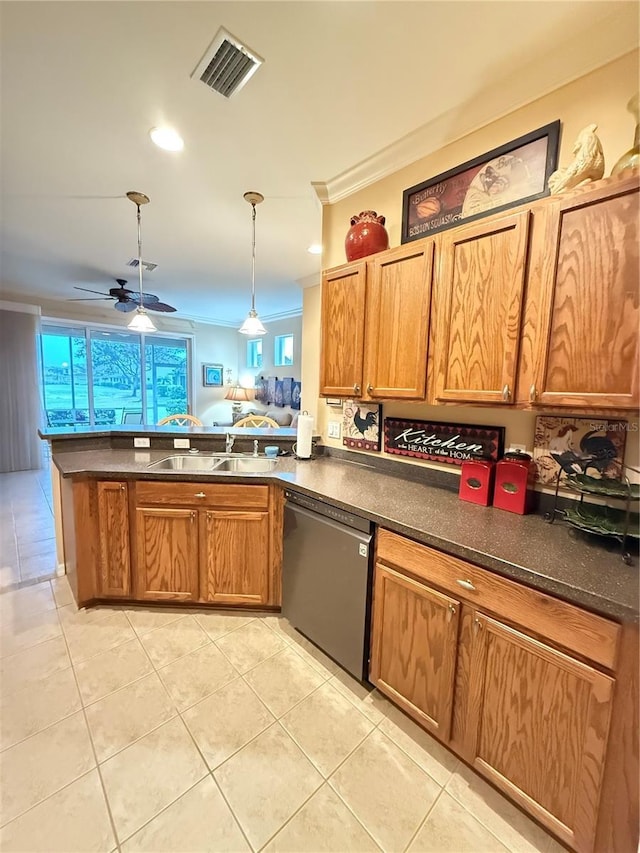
pixel 578 446
pixel 361 425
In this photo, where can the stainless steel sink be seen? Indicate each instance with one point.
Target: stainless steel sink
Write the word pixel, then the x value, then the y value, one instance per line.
pixel 187 463
pixel 239 464
pixel 247 465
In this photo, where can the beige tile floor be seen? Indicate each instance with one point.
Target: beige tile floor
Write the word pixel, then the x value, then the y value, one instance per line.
pixel 148 730
pixel 27 544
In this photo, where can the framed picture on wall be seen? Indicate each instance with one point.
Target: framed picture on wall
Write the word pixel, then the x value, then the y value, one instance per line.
pixel 509 175
pixel 212 375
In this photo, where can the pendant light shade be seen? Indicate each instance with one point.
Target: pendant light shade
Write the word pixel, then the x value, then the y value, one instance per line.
pixel 252 325
pixel 141 321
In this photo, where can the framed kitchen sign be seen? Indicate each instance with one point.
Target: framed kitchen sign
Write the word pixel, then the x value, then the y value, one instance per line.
pixel 442 442
pixel 212 374
pixel 509 175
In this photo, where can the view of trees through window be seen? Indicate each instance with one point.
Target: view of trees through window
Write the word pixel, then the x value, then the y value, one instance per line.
pixel 92 376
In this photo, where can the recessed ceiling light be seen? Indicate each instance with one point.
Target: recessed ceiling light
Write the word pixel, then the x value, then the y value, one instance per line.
pixel 167 138
pixel 315 249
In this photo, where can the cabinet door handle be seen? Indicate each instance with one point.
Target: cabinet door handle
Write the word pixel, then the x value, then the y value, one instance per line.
pixel 533 394
pixel 122 487
pixel 506 392
pixel 370 389
pixel 356 389
pixel 452 610
pixel 477 625
pixel 466 584
pixel 193 516
pixel 200 495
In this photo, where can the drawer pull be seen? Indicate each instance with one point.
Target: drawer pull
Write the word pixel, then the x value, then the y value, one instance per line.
pixel 200 495
pixel 466 584
pixel 356 389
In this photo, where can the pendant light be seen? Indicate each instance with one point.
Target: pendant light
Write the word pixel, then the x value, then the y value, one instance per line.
pixel 252 325
pixel 141 321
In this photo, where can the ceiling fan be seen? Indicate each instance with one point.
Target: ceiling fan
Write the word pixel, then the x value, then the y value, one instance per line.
pixel 125 300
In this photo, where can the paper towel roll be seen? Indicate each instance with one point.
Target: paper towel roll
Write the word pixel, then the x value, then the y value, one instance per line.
pixel 304 436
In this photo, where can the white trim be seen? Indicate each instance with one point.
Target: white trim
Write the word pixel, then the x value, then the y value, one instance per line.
pixel 429 138
pixel 19 306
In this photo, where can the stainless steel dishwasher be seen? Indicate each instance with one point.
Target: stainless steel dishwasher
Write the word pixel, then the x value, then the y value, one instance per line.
pixel 326 579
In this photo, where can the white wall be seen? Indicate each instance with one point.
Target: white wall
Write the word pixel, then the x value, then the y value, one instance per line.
pixel 214 345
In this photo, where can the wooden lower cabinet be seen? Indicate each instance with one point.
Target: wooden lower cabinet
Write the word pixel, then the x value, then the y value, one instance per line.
pixel 234 549
pixel 166 553
pixel 414 647
pixel 537 727
pixel 528 714
pixel 114 561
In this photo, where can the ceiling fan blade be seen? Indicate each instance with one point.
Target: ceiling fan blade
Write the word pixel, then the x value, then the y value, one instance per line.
pixel 125 307
pixel 146 297
pixel 88 290
pixel 158 306
pixel 91 299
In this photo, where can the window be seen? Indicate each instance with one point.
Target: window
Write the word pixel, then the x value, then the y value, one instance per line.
pixel 92 376
pixel 283 353
pixel 254 353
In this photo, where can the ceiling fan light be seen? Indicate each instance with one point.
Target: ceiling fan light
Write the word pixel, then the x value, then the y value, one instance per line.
pixel 252 325
pixel 141 322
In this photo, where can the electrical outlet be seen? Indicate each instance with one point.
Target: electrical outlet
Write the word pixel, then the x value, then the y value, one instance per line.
pixel 141 442
pixel 334 429
pixel 181 443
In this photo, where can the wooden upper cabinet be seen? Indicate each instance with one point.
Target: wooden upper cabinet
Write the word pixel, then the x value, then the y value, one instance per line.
pixel 114 563
pixel 166 553
pixel 478 301
pixel 343 308
pixel 235 558
pixel 414 642
pixel 586 351
pixel 537 727
pixel 397 322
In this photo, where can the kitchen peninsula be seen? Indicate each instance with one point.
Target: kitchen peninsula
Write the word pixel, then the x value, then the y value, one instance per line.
pixel 482 621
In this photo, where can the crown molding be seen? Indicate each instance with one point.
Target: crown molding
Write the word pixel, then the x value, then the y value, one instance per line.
pixel 436 134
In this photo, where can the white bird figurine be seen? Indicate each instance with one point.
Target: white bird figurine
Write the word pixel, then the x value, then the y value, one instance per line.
pixel 587 164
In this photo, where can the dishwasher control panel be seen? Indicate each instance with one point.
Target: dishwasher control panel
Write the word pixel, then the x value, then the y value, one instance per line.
pixel 329 511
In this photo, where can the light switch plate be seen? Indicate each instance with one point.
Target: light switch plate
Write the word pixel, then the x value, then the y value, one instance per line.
pixel 334 429
pixel 181 443
pixel 141 442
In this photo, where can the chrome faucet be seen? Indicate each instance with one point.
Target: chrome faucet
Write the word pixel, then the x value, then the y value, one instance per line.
pixel 229 443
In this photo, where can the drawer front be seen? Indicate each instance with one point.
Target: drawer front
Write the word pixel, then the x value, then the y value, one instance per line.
pixel 220 495
pixel 584 633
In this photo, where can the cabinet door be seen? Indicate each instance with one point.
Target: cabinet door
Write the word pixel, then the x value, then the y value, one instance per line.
pixel 167 553
pixel 479 296
pixel 397 322
pixel 234 557
pixel 587 352
pixel 414 640
pixel 538 722
pixel 342 347
pixel 114 571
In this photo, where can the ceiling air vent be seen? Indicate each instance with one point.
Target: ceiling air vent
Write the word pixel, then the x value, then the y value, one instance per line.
pixel 227 64
pixel 147 265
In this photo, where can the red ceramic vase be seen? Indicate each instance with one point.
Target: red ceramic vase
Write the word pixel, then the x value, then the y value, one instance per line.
pixel 366 236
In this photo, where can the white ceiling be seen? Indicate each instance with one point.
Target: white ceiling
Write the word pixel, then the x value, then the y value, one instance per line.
pixel 83 82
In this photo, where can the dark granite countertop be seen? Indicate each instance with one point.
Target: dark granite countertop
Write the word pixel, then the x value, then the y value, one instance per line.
pixel 523 548
pixel 151 431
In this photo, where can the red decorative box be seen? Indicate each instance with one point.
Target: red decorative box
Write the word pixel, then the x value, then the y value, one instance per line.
pixel 513 491
pixel 476 481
